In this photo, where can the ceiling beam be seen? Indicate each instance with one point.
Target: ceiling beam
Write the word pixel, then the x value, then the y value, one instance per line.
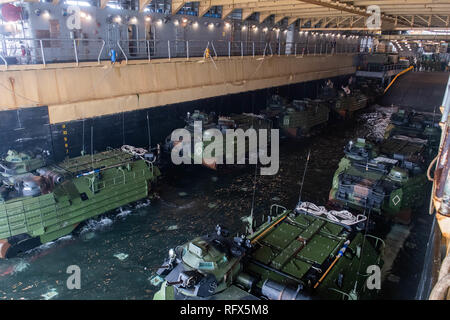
pixel 278 18
pixel 226 11
pixel 263 16
pixel 292 20
pixel 143 4
pixel 203 8
pixel 247 13
pixel 103 3
pixel 177 5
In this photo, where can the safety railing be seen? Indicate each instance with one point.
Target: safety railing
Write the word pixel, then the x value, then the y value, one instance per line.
pixel 372 67
pixel 45 51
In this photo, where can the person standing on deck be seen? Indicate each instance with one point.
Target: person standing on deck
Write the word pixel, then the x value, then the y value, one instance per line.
pixel 113 55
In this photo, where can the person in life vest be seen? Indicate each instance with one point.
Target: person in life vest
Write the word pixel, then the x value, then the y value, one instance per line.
pixel 207 55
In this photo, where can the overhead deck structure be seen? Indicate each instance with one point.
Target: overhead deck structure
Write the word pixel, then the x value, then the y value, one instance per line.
pixel 325 14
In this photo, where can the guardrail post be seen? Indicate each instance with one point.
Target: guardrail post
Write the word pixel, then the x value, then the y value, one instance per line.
pixel 229 49
pixel 168 48
pixel 214 48
pixel 279 48
pixel 295 49
pixel 253 49
pixel 123 52
pixel 4 60
pixel 315 46
pixel 242 50
pixel 42 52
pixel 148 50
pixel 187 49
pixel 75 49
pixel 101 50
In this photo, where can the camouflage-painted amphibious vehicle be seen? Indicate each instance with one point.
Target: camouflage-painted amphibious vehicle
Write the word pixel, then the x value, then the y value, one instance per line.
pixel 298 118
pixel 415 125
pixel 41 202
pixel 301 254
pixel 388 179
pixel 198 144
pixel 348 102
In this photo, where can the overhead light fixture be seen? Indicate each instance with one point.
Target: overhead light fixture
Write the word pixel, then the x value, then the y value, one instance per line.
pixel 211 26
pixel 195 24
pixel 159 22
pixel 147 18
pixel 88 17
pixel 175 22
pixel 133 20
pixel 265 29
pixel 117 19
pixel 227 25
pixel 244 28
pixel 46 14
pixel 184 20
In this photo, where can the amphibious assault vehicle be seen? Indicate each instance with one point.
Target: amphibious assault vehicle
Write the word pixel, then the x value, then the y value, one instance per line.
pixel 388 179
pixel 197 144
pixel 301 254
pixel 41 202
pixel 298 118
pixel 415 125
pixel 349 101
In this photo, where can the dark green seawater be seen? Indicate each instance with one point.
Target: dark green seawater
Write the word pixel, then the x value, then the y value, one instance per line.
pixel 193 200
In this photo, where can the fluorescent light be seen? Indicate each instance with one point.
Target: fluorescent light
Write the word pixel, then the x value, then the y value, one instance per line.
pixel 113 6
pixel 78 3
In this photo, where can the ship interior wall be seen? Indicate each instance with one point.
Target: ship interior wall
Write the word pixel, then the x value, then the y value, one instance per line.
pixel 30 128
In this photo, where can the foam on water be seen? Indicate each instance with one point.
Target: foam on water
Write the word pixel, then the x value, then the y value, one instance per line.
pixel 50 244
pixel 123 213
pixel 144 204
pixel 21 266
pixel 96 225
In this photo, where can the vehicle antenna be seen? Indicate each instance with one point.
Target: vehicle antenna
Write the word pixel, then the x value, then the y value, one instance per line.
pixel 92 147
pixel 304 174
pixel 148 131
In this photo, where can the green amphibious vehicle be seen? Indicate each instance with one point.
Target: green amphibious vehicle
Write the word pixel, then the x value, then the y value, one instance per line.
pixel 415 125
pixel 388 179
pixel 301 254
pixel 198 144
pixel 299 118
pixel 41 202
pixel 348 102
